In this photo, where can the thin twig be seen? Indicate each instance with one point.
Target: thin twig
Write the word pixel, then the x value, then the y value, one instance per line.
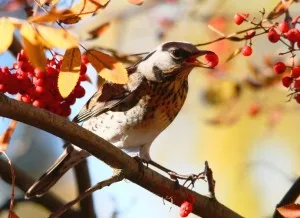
pixel 115 178
pixel 13 177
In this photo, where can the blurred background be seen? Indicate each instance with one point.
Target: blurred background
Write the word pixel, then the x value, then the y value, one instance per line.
pixel 248 135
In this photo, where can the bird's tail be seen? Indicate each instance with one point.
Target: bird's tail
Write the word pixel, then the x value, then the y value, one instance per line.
pixel 69 158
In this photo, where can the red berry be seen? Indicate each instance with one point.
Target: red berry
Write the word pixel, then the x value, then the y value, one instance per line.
pixel 186 208
pixel 79 92
pixel 38 82
pixel 39 73
pixel 2 88
pixel 283 27
pixel 297 98
pixel 38 103
pixel 292 35
pixel 66 110
pixel 212 59
pixel 247 50
pixel 83 78
pixel 239 18
pixel 279 68
pixel 297 84
pixel 25 98
pixel 39 89
pixel 296 72
pixel 287 81
pixel 70 99
pixel 84 59
pixel 83 69
pixel 273 36
pixel 51 71
pixel 254 109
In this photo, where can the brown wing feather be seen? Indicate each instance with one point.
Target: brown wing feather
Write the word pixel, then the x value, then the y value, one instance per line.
pixel 106 98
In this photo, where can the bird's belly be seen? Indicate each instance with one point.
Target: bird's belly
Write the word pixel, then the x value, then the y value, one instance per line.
pixel 133 128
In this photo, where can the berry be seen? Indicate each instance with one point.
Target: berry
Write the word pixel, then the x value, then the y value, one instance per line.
pixel 51 71
pixel 279 68
pixel 38 103
pixel 239 18
pixel 39 89
pixel 2 88
pixel 273 36
pixel 297 84
pixel 186 208
pixel 83 69
pixel 283 27
pixel 25 98
pixel 79 92
pixel 247 50
pixel 84 59
pixel 293 35
pixel 83 78
pixel 212 59
pixel 296 72
pixel 39 73
pixel 254 109
pixel 287 81
pixel 38 82
pixel 297 98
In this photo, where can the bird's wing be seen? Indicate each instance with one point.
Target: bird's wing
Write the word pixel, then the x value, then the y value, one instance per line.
pixel 107 98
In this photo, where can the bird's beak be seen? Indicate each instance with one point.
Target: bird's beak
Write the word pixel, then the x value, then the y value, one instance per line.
pixel 194 62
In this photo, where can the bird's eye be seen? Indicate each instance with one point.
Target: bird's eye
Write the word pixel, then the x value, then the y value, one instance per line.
pixel 179 54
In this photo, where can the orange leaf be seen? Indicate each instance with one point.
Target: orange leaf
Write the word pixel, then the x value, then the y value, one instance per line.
pixel 56 37
pixel 69 72
pixel 83 9
pixel 108 67
pixel 136 2
pixel 290 210
pixel 34 50
pixel 6 136
pixel 99 30
pixel 6 30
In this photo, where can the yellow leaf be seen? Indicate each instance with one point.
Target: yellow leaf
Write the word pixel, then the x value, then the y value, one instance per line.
pixel 69 72
pixel 108 67
pixel 56 37
pixel 7 31
pixel 34 50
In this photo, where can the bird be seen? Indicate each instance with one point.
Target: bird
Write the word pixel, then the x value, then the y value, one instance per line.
pixel 131 116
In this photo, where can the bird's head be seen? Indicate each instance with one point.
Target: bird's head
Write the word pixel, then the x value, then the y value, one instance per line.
pixel 170 60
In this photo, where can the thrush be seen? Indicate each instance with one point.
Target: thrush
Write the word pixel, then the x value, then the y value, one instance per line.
pixel 131 116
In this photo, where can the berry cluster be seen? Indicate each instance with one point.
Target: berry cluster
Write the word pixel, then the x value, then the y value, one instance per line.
pixel 283 31
pixel 39 88
pixel 288 33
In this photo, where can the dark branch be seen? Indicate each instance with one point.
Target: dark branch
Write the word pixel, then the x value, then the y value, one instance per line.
pixel 83 183
pixel 23 181
pixel 114 157
pixel 15 46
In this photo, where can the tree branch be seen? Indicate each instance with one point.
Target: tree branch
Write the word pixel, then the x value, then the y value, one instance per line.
pixel 290 197
pixel 83 183
pixel 114 157
pixel 23 181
